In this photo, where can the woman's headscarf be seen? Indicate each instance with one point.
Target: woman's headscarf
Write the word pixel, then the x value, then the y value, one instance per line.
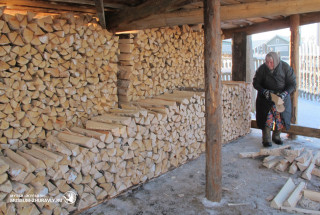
pixel 275 57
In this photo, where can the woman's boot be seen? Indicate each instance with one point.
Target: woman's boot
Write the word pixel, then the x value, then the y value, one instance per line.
pixel 266 137
pixel 276 137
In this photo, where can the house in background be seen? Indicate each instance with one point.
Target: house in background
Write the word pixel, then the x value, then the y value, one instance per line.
pixel 277 44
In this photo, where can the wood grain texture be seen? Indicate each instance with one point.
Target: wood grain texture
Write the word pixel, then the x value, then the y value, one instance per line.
pixel 213 111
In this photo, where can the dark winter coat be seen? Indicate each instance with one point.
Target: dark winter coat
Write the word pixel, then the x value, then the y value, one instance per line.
pixel 281 79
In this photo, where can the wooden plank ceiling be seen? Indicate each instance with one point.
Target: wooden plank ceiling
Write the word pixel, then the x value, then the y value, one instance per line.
pixel 123 15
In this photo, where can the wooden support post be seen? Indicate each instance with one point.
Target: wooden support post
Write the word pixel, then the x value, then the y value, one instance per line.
pixel 212 58
pixel 294 61
pixel 100 12
pixel 239 56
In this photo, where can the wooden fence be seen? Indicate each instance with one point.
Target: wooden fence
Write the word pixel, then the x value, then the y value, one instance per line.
pixel 309 74
pixel 226 66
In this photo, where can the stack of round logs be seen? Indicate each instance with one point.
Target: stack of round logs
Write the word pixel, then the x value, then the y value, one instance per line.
pixel 55 72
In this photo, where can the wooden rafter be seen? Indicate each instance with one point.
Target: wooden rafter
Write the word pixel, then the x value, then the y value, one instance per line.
pixel 139 12
pixel 44 6
pixel 271 25
pixel 228 12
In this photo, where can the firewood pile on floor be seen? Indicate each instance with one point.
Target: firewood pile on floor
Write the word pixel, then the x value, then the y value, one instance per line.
pixel 292 195
pixel 289 159
pixel 293 160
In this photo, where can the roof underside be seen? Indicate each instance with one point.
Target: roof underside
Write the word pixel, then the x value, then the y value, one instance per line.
pixel 122 15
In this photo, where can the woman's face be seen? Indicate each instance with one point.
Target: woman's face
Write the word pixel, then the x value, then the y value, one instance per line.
pixel 269 63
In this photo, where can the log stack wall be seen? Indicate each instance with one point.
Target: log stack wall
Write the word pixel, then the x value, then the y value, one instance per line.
pixel 160 59
pixel 56 71
pixel 59 89
pixel 113 152
pixel 236 109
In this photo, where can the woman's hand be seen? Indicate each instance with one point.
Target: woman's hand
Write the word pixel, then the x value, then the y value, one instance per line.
pixel 283 95
pixel 266 94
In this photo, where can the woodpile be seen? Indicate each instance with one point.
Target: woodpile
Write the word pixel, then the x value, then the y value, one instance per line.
pixel 60 130
pixel 160 59
pixel 56 72
pixel 292 160
pixel 236 108
pixel 290 194
pixel 114 151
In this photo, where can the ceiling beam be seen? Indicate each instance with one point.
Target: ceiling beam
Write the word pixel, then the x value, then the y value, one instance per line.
pixel 127 15
pixel 305 19
pixel 45 6
pixel 228 13
pixel 100 13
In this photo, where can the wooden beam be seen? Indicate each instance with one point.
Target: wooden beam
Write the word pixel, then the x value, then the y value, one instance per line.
pixel 258 28
pixel 45 6
pixel 294 62
pixel 228 12
pixel 212 58
pixel 296 130
pixel 272 25
pixel 100 13
pixel 270 8
pixel 309 18
pixel 239 56
pixel 128 15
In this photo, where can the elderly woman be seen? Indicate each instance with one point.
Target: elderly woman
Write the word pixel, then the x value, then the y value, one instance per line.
pixel 274 76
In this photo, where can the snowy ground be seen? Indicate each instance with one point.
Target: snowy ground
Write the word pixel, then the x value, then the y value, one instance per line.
pixel 308 113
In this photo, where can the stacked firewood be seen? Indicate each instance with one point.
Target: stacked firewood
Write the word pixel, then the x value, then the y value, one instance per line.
pixel 55 72
pixel 155 60
pixel 236 107
pixel 114 151
pixel 284 158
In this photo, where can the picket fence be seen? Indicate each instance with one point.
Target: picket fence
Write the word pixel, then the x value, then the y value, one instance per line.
pixel 226 66
pixel 309 74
